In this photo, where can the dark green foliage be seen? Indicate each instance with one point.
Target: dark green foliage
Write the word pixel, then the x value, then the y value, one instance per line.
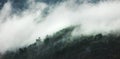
pixel 59 46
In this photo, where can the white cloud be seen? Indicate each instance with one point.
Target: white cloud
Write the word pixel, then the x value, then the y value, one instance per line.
pixel 22 29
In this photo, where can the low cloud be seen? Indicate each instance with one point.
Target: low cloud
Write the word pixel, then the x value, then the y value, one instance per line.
pixel 22 28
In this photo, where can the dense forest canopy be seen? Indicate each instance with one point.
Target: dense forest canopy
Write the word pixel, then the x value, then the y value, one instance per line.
pixel 62 46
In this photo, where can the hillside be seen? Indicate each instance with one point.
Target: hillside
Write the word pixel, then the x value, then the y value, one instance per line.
pixel 61 45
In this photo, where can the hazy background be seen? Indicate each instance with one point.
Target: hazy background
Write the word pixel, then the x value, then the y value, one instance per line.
pixel 23 21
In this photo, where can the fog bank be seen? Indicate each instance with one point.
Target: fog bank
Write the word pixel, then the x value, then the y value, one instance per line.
pixel 40 19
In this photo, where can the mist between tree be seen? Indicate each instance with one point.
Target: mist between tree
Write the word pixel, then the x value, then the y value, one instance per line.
pixel 22 28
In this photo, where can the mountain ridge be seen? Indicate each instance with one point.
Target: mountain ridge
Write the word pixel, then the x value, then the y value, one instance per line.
pixel 62 46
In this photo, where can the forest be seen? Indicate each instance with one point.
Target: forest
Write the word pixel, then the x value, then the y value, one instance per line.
pixel 62 45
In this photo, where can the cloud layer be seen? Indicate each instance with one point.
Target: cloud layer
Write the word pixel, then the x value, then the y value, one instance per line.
pixel 22 28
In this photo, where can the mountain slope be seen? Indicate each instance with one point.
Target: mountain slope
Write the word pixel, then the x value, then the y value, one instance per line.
pixel 61 45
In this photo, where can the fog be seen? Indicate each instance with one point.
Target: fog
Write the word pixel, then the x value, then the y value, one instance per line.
pixel 24 27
